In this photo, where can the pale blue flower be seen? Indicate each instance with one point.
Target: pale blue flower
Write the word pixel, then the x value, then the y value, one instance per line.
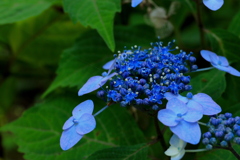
pixel 219 62
pixel 81 122
pixel 182 121
pixel 200 102
pixel 136 2
pixel 177 148
pixel 213 4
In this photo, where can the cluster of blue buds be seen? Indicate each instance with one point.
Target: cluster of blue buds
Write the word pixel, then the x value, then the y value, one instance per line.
pixel 143 76
pixel 223 129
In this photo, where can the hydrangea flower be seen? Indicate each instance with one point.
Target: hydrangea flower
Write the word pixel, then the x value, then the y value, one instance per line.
pixel 219 62
pixel 177 148
pixel 200 102
pixel 143 76
pixel 81 122
pixel 136 2
pixel 94 83
pixel 213 4
pixel 181 120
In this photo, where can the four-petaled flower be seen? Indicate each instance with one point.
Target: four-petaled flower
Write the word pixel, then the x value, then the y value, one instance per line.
pixel 81 122
pixel 213 4
pixel 181 120
pixel 177 148
pixel 219 62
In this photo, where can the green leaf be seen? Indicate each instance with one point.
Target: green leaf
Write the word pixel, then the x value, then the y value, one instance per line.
pixel 39 129
pixel 136 152
pixel 212 83
pixel 225 43
pixel 40 40
pixel 234 26
pixel 97 14
pixel 83 61
pixel 17 10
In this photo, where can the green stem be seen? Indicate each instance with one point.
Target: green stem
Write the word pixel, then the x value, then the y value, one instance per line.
pixel 160 135
pixel 199 23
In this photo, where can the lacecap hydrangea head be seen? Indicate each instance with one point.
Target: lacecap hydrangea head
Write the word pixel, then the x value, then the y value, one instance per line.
pixel 143 76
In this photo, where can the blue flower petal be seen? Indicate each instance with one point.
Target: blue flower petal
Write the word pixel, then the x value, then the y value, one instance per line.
pixel 224 61
pixel 84 107
pixel 188 132
pixel 109 65
pixel 86 124
pixel 177 106
pixel 213 4
pixel 209 106
pixel 233 71
pixel 222 68
pixel 210 56
pixel 169 95
pixel 92 84
pixel 69 138
pixel 68 123
pixel 195 106
pixel 192 115
pixel 136 2
pixel 105 79
pixel 167 117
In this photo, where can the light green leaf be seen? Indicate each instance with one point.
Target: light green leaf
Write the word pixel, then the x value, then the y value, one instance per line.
pixel 40 40
pixel 38 131
pixel 17 10
pixel 83 61
pixel 97 14
pixel 136 152
pixel 225 43
pixel 234 26
pixel 212 83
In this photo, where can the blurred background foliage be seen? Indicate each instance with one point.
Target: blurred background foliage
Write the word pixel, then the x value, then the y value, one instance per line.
pixel 49 48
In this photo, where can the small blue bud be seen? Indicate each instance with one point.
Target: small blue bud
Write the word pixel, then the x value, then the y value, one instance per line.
pixel 228 115
pixel 207 135
pixel 192 59
pixel 219 134
pixel 142 81
pixel 228 136
pixel 189 95
pixel 209 146
pixel 213 141
pixel 236 140
pixel 205 141
pixel 224 144
pixel 194 67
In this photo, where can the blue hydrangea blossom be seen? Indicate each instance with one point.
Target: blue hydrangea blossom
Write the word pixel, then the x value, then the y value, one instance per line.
pixel 81 122
pixel 177 148
pixel 219 62
pixel 213 4
pixel 181 120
